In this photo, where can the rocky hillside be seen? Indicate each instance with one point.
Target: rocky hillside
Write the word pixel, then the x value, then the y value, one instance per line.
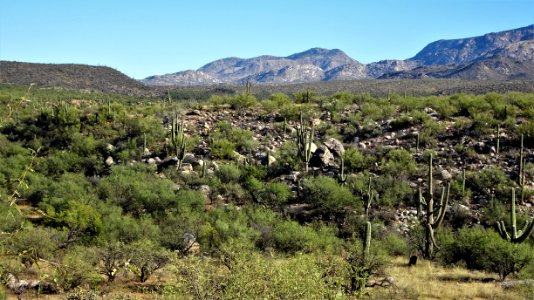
pixel 462 51
pixel 70 76
pixel 494 68
pixel 495 56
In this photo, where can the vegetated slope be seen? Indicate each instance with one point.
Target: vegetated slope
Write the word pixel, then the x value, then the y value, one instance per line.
pixel 69 76
pixel 110 185
pixel 495 56
pixel 377 88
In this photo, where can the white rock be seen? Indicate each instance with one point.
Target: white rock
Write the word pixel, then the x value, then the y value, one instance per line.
pixel 109 161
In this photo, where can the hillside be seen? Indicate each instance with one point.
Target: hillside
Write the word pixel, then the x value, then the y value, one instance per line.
pixel 70 76
pixel 299 196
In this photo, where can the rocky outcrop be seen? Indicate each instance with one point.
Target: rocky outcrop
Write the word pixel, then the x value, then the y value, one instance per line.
pixel 185 78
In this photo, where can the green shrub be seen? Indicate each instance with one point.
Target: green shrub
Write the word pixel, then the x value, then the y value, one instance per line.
pixel 223 149
pixel 242 101
pixel 486 250
pixel 291 237
pixel 127 229
pixel 10 218
pixel 354 160
pixel 31 244
pixel 327 195
pixel 189 200
pixel 228 173
pixel 76 269
pixel 400 163
pixel 146 258
pixel 491 182
pixel 275 193
pixel 394 245
pixel 137 190
pixel 80 221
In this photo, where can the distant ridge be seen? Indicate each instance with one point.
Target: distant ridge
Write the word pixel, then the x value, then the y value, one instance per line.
pixel 69 76
pixel 503 55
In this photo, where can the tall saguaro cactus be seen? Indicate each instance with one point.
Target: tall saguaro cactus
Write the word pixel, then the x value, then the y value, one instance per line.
pixel 304 142
pixel 434 215
pixel 517 236
pixel 178 140
pixel 367 243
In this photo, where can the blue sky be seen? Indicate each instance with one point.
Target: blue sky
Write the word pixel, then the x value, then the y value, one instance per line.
pixel 143 38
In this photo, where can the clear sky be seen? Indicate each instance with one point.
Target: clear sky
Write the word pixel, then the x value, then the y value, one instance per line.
pixel 143 38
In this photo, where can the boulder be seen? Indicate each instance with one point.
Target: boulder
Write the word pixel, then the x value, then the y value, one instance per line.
pixel 322 157
pixel 206 192
pixel 186 168
pixel 446 175
pixel 335 146
pixel 191 159
pixel 109 161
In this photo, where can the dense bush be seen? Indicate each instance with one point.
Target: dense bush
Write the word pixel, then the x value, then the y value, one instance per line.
pixel 327 195
pixel 485 250
pixel 136 189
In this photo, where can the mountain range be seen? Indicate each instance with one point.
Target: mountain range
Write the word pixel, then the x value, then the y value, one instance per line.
pixel 503 55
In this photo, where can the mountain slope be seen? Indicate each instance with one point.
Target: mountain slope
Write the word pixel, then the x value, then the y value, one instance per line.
pixel 461 51
pixel 70 76
pixel 307 66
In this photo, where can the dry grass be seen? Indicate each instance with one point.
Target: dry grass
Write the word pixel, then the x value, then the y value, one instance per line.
pixel 432 281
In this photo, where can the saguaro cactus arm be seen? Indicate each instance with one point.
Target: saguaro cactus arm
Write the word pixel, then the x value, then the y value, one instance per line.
pixel 440 212
pixel 517 236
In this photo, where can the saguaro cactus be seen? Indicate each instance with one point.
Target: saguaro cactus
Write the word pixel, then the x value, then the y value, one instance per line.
pixel 304 142
pixel 178 140
pixel 434 216
pixel 367 244
pixel 517 236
